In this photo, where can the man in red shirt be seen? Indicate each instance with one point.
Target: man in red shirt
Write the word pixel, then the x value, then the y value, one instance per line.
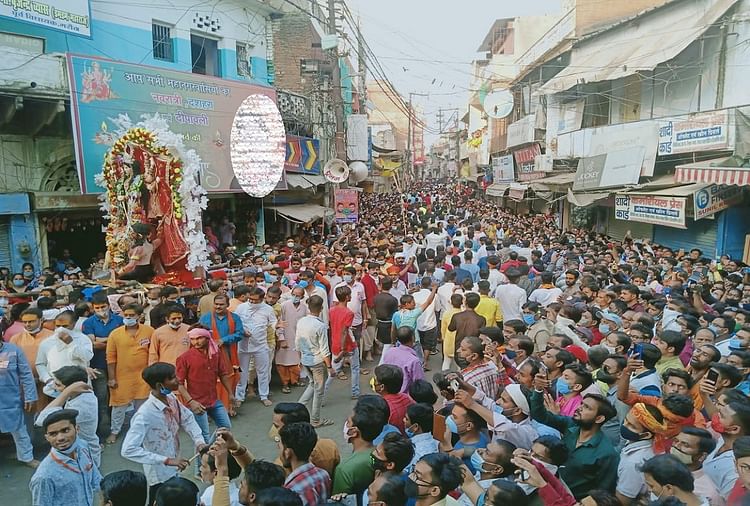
pixel 343 343
pixel 371 282
pixel 387 382
pixel 198 370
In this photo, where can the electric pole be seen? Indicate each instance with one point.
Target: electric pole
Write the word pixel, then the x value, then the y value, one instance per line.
pixel 338 106
pixel 362 67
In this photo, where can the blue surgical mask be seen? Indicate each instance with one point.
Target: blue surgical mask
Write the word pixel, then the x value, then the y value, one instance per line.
pixel 477 461
pixel 165 391
pixel 735 344
pixel 562 387
pixel 510 354
pixel 296 299
pixel 18 282
pixel 497 408
pixel 347 278
pixel 604 328
pixel 130 322
pixel 714 328
pixel 529 319
pixel 451 424
pixel 303 284
pixel 409 433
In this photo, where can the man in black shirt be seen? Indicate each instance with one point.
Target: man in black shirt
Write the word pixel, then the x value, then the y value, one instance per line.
pixel 385 306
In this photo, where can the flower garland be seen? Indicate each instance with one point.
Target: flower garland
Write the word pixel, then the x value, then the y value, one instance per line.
pixel 121 201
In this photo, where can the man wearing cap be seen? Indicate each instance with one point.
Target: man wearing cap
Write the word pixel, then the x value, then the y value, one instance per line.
pixel 198 370
pixel 507 418
pixel 638 429
pixel 399 287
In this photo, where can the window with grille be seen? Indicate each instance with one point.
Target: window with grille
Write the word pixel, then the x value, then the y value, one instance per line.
pixel 161 37
pixel 244 67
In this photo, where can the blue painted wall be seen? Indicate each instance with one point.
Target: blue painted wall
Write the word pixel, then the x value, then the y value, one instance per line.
pixel 733 226
pixel 126 43
pixel 22 233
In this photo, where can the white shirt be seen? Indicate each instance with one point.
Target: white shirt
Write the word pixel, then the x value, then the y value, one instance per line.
pixel 87 421
pixel 154 437
pixel 256 318
pixel 433 240
pixel 311 340
pixel 512 298
pixel 496 278
pixel 398 290
pixel 443 297
pixel 427 319
pixel 54 353
pixel 334 281
pixel 423 444
pixel 320 292
pixel 355 304
pixel 630 481
pixel 234 495
pixel 545 296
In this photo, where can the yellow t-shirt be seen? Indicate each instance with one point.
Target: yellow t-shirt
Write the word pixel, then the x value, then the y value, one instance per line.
pixel 449 338
pixel 489 307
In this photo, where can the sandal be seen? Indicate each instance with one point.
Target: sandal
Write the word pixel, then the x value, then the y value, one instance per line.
pixel 286 389
pixel 342 376
pixel 364 372
pixel 325 422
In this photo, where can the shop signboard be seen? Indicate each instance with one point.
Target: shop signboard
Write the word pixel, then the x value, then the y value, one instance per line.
pixel 302 155
pixel 715 198
pixel 609 170
pixel 347 205
pixel 521 131
pixel 654 209
pixel 502 169
pixel 525 160
pixel 703 131
pixel 72 17
pixel 591 142
pixel 199 108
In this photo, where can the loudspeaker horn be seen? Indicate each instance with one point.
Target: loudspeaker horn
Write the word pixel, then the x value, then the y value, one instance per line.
pixel 336 171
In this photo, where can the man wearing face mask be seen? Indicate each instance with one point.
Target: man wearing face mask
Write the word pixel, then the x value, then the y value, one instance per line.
pixel 153 438
pixel 311 288
pixel 638 430
pixel 507 418
pixel 127 357
pixel 171 339
pixel 357 303
pixel 666 477
pixel 433 477
pixel 730 422
pixel 418 424
pixel 539 329
pixel 691 447
pixel 68 474
pixel 18 393
pixel 287 356
pixel 257 317
pixel 354 474
pixel 65 347
pixel 492 463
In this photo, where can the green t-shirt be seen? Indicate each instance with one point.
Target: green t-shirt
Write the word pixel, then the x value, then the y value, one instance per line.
pixel 353 475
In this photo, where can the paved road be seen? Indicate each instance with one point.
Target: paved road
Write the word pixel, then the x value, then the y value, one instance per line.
pixel 250 427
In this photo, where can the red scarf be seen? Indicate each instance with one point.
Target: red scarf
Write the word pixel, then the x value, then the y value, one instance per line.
pixel 231 349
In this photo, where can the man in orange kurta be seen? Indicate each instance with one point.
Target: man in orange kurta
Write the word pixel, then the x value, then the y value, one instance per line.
pixel 171 339
pixel 29 341
pixel 127 357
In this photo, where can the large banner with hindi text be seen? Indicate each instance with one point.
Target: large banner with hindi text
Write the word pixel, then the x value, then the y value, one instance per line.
pixel 200 108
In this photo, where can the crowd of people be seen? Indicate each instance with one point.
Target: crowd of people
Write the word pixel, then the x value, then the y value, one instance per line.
pixel 509 361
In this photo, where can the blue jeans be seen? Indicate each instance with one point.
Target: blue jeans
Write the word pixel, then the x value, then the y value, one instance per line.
pixel 219 415
pixel 337 366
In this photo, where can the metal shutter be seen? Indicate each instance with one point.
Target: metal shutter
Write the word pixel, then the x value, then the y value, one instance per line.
pixel 618 228
pixel 699 234
pixel 5 243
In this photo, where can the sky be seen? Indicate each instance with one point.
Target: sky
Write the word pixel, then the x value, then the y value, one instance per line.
pixel 426 46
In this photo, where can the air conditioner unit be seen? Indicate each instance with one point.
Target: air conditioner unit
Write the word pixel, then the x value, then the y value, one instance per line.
pixel 543 163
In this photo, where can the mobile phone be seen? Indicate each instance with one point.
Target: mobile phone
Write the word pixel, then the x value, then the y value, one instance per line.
pixel 455 386
pixel 712 375
pixel 522 475
pixel 438 427
pixel 637 351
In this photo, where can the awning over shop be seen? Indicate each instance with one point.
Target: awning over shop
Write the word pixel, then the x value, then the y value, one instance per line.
pixel 675 191
pixel 497 189
pixel 558 183
pixel 301 213
pixel 712 171
pixel 585 199
pixel 304 181
pixel 634 47
pixel 517 191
